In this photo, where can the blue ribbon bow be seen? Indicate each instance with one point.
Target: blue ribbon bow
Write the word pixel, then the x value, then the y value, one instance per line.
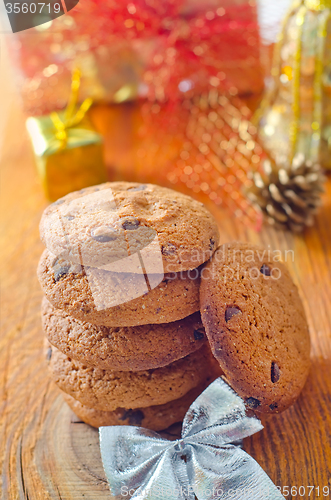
pixel 204 463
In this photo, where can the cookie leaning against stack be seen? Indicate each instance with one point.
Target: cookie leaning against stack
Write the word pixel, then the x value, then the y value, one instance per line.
pixel 127 340
pixel 256 325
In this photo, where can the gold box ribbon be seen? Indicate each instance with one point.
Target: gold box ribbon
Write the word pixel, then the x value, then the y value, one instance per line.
pixel 58 131
pixel 68 150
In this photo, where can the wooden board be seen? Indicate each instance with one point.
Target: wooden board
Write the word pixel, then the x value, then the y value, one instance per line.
pixel 45 453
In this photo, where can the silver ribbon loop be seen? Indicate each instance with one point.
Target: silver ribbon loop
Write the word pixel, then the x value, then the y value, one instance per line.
pixel 204 463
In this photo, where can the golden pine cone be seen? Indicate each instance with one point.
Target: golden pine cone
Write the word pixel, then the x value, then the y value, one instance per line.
pixel 288 197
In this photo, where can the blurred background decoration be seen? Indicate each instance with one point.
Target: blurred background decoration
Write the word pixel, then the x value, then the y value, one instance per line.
pixel 144 47
pixel 68 151
pixel 174 85
pixel 295 114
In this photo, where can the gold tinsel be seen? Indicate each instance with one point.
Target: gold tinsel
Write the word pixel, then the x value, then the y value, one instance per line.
pixel 295 112
pixel 288 197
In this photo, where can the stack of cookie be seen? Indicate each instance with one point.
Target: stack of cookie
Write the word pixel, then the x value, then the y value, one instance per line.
pixel 121 277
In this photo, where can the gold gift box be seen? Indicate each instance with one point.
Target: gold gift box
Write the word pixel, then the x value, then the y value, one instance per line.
pixel 69 163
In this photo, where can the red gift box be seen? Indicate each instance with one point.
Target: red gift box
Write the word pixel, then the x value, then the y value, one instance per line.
pixel 152 48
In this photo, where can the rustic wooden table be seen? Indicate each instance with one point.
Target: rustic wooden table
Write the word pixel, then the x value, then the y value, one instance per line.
pixel 45 452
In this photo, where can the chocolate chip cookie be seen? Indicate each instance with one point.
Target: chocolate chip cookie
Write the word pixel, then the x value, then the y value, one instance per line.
pixel 122 348
pixel 108 390
pixel 73 288
pixel 256 325
pixel 155 418
pixel 125 225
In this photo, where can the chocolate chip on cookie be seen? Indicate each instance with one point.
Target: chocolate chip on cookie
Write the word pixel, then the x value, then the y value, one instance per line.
pixel 60 269
pixel 199 333
pixel 134 417
pixel 230 312
pixel 168 249
pixel 264 269
pixel 253 403
pixel 140 187
pixel 103 234
pixel 130 223
pixel 275 372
